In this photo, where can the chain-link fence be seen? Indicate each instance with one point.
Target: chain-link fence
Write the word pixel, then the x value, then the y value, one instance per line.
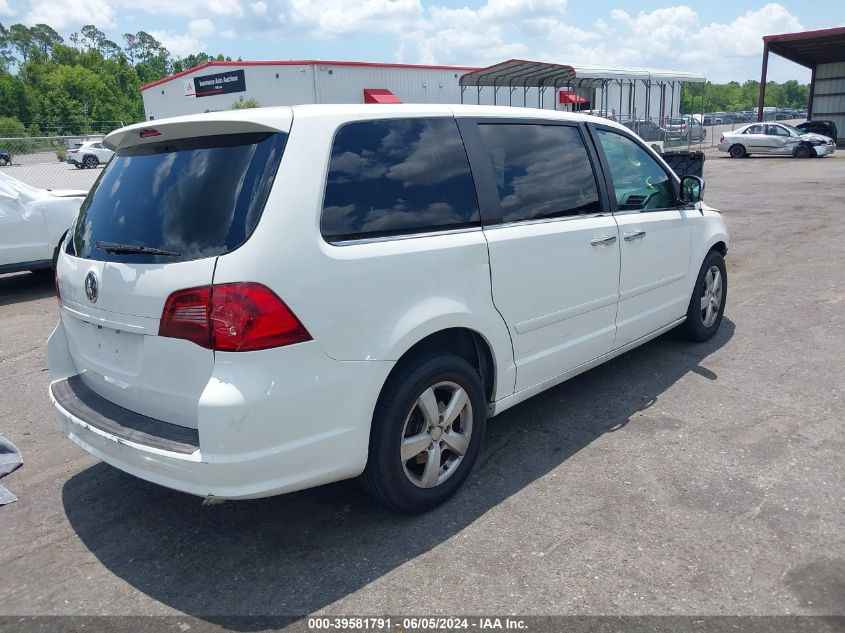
pixel 54 161
pixel 685 132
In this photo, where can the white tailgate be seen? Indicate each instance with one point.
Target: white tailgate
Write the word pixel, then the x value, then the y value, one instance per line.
pixel 114 341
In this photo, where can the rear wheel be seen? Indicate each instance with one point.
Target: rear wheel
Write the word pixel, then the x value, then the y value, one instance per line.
pixel 707 304
pixel 427 432
pixel 89 162
pixel 737 151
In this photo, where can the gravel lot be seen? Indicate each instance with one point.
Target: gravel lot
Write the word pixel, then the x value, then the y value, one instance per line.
pixel 677 479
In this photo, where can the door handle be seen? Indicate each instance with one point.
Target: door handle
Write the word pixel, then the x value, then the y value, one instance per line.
pixel 634 235
pixel 604 239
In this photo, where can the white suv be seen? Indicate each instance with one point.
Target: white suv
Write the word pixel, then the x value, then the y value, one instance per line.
pixel 259 301
pixel 89 155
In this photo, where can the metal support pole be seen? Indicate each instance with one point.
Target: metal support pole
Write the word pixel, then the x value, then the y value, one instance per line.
pixel 478 96
pixel 672 101
pixel 462 93
pixel 812 90
pixel 762 101
pixel 620 100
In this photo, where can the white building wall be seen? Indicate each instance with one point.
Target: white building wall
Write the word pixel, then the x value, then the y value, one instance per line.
pixel 293 84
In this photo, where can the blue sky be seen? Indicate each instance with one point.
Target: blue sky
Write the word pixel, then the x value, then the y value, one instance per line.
pixel 720 38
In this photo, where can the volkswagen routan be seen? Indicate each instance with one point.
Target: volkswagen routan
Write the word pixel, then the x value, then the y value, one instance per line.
pixel 259 301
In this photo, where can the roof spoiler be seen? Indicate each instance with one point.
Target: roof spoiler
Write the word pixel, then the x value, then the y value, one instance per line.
pixel 212 123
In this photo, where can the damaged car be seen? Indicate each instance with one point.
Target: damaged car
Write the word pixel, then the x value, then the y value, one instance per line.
pixel 32 223
pixel 775 138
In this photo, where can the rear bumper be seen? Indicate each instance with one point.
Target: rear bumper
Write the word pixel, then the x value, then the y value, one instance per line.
pixel 269 422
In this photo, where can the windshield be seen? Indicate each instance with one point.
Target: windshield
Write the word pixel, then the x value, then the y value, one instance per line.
pixel 195 197
pixel 794 130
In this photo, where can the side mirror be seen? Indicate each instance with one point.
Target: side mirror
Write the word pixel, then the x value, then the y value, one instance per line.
pixel 692 189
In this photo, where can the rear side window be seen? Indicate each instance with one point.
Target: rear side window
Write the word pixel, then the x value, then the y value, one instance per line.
pixel 398 176
pixel 541 171
pixel 195 198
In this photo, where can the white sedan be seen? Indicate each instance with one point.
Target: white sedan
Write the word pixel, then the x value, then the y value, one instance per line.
pixel 32 223
pixel 775 138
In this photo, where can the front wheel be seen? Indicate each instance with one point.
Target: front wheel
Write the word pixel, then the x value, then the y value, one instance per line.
pixel 427 432
pixel 707 305
pixel 802 151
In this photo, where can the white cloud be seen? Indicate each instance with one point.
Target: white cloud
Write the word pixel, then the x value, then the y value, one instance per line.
pixel 201 28
pixel 64 15
pixel 5 9
pixel 182 44
pixel 258 8
pixel 229 34
pixel 331 18
pixel 226 7
pixel 185 8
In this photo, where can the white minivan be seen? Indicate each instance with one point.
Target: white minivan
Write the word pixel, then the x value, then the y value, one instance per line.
pixel 259 301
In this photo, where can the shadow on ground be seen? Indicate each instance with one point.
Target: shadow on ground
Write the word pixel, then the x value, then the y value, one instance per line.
pixel 297 553
pixel 23 287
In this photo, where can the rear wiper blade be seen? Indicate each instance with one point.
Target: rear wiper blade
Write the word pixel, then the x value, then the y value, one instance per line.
pixel 113 247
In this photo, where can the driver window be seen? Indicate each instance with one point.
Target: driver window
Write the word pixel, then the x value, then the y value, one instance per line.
pixel 639 182
pixel 776 130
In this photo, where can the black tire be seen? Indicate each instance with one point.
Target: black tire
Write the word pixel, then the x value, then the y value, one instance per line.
pixel 386 477
pixel 694 328
pixel 737 151
pixel 89 162
pixel 78 165
pixel 802 151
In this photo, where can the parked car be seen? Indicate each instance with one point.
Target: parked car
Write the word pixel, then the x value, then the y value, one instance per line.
pixel 686 129
pixel 32 221
pixel 326 292
pixel 646 130
pixel 89 155
pixel 774 138
pixel 5 157
pixel 825 128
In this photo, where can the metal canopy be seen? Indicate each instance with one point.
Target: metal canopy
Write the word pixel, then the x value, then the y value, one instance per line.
pixel 519 72
pixel 809 48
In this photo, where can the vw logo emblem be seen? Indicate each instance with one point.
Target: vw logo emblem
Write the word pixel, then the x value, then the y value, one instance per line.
pixel 91 288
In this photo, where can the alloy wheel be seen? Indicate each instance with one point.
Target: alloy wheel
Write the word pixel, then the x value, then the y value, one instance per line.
pixel 711 297
pixel 436 434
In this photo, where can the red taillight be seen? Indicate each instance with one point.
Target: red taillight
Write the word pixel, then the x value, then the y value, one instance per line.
pixel 185 316
pixel 236 317
pixel 149 132
pixel 722 138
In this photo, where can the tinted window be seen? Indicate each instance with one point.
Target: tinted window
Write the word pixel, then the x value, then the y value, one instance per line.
pixel 397 177
pixel 541 171
pixel 197 197
pixel 639 182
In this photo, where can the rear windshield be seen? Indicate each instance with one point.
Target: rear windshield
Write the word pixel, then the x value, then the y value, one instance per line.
pixel 194 198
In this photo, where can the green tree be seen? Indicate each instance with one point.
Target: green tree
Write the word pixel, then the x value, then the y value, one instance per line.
pixel 45 38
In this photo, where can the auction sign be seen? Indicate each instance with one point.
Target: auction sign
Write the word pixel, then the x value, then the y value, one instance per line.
pixel 217 84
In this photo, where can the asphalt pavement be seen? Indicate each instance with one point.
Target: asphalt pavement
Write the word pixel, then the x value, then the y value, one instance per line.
pixel 679 478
